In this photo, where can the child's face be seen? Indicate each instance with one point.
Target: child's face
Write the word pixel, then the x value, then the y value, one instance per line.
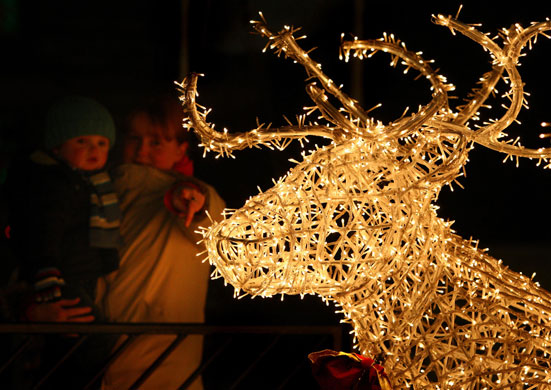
pixel 87 152
pixel 143 145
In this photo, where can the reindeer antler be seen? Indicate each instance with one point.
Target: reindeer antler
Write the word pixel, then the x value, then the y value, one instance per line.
pixel 285 42
pixel 224 142
pixel 398 51
pixel 504 60
pixel 355 121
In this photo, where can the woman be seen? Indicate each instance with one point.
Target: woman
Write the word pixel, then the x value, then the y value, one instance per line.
pixel 160 278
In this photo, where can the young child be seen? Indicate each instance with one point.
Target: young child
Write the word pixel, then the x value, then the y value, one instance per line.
pixel 64 215
pixel 160 278
pixel 64 219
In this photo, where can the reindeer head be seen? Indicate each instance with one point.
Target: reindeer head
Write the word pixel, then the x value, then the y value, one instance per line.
pixel 349 210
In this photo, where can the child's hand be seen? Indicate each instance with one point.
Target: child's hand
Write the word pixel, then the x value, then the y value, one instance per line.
pixel 64 310
pixel 187 200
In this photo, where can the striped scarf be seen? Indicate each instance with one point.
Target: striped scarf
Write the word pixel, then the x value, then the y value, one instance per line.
pixel 105 214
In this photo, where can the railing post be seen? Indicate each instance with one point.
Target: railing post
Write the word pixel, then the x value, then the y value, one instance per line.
pixel 80 340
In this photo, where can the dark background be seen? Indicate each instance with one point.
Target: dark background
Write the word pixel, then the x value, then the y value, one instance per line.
pixel 119 51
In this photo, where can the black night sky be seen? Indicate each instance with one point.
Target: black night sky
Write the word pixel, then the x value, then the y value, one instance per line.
pixel 118 51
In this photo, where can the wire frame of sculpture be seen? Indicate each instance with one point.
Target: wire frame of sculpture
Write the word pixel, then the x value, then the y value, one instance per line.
pixel 356 223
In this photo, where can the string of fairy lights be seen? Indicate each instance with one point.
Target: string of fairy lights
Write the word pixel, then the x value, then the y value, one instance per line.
pixel 356 222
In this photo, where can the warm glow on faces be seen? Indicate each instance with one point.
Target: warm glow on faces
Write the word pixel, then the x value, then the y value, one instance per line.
pixel 87 152
pixel 145 145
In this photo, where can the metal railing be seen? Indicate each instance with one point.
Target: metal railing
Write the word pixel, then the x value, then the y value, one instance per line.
pixel 283 349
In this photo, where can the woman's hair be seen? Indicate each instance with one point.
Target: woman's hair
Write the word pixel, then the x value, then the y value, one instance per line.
pixel 165 113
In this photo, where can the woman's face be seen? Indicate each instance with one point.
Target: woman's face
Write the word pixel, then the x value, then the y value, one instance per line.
pixel 145 145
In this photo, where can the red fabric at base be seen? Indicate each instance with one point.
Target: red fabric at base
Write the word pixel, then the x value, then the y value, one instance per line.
pixel 347 371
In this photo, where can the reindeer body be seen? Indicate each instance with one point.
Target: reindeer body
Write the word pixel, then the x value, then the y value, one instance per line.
pixel 356 223
pixel 436 307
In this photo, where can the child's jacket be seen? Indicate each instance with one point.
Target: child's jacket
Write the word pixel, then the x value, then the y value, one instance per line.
pixel 50 206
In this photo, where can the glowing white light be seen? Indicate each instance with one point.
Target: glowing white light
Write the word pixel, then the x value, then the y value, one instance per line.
pixel 355 222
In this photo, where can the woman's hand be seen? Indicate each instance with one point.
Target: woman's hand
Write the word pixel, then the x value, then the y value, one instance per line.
pixel 187 200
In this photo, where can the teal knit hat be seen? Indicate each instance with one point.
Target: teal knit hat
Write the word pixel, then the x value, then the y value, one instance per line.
pixel 75 116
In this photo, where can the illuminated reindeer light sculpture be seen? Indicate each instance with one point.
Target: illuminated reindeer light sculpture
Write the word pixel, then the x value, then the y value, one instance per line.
pixel 355 222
